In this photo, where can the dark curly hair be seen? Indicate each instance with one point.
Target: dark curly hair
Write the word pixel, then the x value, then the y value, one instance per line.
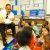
pixel 25 35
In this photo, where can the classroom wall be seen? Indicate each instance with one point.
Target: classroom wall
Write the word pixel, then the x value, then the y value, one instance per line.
pixel 47 10
pixel 46 7
pixel 26 13
pixel 3 3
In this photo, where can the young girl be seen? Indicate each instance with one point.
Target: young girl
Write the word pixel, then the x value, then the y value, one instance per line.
pixel 36 29
pixel 24 39
pixel 31 43
pixel 45 38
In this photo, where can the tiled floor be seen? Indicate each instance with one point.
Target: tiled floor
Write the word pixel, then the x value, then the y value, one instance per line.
pixel 9 38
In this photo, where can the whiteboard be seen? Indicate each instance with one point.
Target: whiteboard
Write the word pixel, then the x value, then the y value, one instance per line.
pixel 48 7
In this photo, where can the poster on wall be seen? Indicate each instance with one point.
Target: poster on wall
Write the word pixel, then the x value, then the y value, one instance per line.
pixel 23 7
pixel 27 7
pixel 23 2
pixel 31 2
pixel 38 4
pixel 18 12
pixel 12 2
pixel 37 13
pixel 16 7
pixel 33 13
pixel 41 13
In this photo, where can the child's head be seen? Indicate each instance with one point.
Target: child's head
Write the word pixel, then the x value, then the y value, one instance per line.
pixel 33 23
pixel 25 36
pixel 23 23
pixel 45 23
pixel 45 30
pixel 26 24
pixel 30 29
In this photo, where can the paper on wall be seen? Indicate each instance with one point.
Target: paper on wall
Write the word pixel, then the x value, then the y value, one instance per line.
pixel 12 2
pixel 27 7
pixel 18 12
pixel 16 7
pixel 31 2
pixel 23 7
pixel 38 4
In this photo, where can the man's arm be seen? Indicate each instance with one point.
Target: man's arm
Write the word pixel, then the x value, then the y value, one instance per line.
pixel 12 18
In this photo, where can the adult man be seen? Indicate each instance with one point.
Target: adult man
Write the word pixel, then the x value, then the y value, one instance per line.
pixel 8 17
pixel 2 30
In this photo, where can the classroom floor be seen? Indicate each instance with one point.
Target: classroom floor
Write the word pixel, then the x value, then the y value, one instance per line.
pixel 9 38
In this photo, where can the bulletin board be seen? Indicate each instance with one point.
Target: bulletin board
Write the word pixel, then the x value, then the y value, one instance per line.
pixel 20 7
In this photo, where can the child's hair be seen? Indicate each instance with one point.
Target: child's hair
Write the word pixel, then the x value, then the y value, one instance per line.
pixel 46 28
pixel 17 35
pixel 23 23
pixel 29 23
pixel 35 22
pixel 25 36
pixel 45 23
pixel 8 5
